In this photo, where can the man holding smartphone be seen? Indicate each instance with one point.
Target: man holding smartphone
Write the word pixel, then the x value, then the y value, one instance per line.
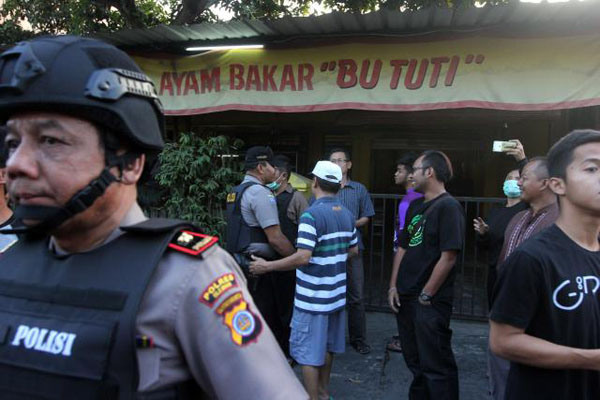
pixel 546 313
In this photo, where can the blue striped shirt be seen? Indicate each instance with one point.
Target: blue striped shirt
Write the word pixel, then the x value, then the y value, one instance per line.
pixel 355 197
pixel 327 229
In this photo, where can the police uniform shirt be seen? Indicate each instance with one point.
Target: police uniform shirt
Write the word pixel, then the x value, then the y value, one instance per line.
pixel 259 208
pixel 185 318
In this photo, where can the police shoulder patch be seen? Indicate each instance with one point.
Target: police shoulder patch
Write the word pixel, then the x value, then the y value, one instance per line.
pixel 244 326
pixel 217 287
pixel 193 243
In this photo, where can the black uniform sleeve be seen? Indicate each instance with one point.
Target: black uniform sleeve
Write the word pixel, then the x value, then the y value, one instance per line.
pixel 451 226
pixel 517 291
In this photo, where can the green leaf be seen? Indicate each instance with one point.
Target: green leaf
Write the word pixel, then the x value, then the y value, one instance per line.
pixel 194 182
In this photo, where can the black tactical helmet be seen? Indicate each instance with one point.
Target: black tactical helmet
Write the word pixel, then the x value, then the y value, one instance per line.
pixel 85 78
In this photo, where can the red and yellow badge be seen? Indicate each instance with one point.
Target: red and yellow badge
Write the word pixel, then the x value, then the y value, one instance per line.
pixel 217 287
pixel 245 326
pixel 192 242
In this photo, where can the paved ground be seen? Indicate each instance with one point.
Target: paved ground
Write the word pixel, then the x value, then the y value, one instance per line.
pixel 381 376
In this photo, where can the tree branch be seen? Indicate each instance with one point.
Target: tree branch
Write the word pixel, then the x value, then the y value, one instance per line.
pixel 127 8
pixel 190 10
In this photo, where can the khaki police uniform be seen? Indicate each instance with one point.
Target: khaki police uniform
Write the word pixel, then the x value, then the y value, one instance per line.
pixel 187 319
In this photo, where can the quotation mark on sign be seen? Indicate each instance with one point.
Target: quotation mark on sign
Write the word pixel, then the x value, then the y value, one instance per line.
pixel 328 66
pixel 479 58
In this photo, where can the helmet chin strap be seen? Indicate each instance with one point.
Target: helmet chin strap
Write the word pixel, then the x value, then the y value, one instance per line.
pixel 52 217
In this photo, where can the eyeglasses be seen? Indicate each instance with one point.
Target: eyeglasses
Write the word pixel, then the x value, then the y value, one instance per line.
pixel 339 161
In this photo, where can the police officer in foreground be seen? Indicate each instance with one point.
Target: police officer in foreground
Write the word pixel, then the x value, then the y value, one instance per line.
pixel 96 301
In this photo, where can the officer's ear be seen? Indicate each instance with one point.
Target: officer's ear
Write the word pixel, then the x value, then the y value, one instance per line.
pixel 260 167
pixel 133 170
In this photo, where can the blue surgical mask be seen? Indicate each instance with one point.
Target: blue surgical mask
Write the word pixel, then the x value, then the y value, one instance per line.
pixel 274 186
pixel 511 189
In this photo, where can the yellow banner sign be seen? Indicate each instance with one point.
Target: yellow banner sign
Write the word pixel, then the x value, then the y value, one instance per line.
pixel 485 72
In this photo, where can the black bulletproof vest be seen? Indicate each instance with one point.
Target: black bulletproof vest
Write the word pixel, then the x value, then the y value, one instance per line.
pixel 67 323
pixel 288 227
pixel 239 233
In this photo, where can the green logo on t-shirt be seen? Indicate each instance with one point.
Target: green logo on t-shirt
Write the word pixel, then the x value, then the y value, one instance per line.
pixel 415 230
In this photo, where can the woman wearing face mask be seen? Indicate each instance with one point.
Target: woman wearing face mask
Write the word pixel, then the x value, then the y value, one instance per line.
pixel 490 232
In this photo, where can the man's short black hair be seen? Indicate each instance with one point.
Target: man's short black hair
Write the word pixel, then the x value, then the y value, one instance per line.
pixel 283 163
pixel 440 163
pixel 407 160
pixel 561 153
pixel 340 150
pixel 541 167
pixel 327 186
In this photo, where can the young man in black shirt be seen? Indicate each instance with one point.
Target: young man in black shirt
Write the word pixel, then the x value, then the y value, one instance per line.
pixel 421 285
pixel 546 313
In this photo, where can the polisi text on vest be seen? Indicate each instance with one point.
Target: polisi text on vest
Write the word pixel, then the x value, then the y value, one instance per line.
pixel 48 341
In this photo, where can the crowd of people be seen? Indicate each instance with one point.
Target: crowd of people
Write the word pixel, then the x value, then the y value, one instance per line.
pixel 98 301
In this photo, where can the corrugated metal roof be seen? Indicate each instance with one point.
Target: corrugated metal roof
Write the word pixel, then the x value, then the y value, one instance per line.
pixel 517 16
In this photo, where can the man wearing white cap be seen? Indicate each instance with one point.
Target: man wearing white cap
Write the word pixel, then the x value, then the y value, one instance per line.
pixel 326 239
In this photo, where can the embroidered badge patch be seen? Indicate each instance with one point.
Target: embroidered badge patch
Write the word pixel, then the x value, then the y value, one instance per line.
pixel 216 288
pixel 244 325
pixel 192 242
pixel 231 197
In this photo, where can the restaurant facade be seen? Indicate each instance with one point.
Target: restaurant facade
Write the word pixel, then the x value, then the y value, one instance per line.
pixel 385 83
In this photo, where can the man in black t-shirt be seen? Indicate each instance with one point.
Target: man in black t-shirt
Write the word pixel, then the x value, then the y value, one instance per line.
pixel 546 313
pixel 421 285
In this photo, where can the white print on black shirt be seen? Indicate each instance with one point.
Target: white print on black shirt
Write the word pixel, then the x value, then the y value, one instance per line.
pixel 588 284
pixel 44 340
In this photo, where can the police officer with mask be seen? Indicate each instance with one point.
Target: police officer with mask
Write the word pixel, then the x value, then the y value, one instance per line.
pixel 290 206
pixel 96 300
pixel 253 227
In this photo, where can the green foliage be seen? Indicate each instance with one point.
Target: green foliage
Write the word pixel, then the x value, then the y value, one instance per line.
pixel 11 32
pixel 23 19
pixel 196 178
pixel 266 9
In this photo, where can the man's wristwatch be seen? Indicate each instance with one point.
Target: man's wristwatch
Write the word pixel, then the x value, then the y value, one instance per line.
pixel 425 298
